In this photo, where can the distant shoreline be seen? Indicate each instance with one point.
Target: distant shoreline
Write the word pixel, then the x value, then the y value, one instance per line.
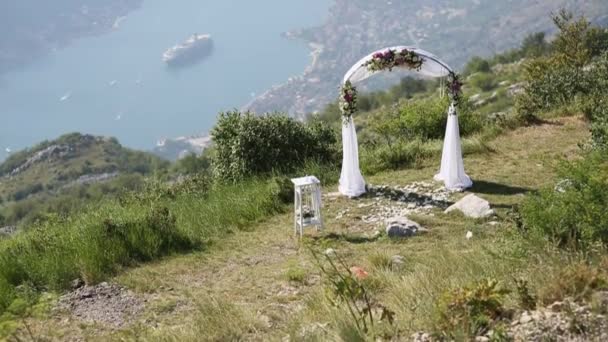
pixel 63 28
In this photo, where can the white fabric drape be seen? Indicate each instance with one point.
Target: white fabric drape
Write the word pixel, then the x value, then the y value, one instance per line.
pixel 351 181
pixel 452 167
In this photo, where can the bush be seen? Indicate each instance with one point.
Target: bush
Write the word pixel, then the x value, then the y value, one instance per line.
pixel 249 145
pixel 573 214
pixel 570 72
pixel 471 311
pixel 484 81
pixel 477 64
pixel 421 119
pixel 379 158
pixel 578 281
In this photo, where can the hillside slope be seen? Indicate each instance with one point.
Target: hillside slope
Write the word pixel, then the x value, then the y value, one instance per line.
pixel 265 285
pixel 74 163
pixel 455 31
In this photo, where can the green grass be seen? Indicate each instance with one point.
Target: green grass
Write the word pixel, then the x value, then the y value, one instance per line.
pixel 118 234
pixel 267 284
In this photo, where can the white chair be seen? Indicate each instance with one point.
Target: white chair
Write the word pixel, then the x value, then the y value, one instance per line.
pixel 307 204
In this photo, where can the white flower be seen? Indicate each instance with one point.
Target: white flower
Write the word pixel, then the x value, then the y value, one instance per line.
pixel 469 235
pixel 330 252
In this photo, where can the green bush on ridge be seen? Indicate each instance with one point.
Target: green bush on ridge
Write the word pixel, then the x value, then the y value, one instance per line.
pixel 248 145
pixel 573 213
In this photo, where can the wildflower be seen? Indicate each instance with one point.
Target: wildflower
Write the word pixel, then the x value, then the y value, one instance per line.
pixel 359 272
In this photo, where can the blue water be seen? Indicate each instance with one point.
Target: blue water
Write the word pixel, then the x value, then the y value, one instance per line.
pixel 148 101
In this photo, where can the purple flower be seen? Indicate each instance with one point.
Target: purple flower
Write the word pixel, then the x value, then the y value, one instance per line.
pixel 348 97
pixel 377 55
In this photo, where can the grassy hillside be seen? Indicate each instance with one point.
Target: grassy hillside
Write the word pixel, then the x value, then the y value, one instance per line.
pixel 263 284
pixel 213 256
pixel 56 176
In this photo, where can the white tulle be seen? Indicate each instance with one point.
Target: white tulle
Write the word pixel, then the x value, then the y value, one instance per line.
pixel 351 181
pixel 452 167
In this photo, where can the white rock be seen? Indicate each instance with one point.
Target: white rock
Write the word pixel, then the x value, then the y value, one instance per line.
pixel 397 260
pixel 472 206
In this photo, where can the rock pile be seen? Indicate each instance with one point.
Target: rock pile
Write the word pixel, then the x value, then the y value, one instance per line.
pixel 105 303
pixel 561 321
pixel 388 202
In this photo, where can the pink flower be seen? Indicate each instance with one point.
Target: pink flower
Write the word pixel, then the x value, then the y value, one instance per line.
pixel 359 272
pixel 388 54
pixel 377 55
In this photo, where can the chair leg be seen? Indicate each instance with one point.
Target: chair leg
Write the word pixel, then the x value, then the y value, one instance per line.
pixel 295 213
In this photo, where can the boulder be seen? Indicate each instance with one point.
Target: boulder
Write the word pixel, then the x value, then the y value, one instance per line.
pixel 472 206
pixel 400 227
pixel 397 261
pixel 7 231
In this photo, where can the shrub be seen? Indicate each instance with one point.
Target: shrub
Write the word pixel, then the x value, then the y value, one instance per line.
pixel 573 213
pixel 578 281
pixel 421 119
pixel 296 274
pixel 374 159
pixel 471 311
pixel 477 64
pixel 249 145
pixel 570 72
pixel 484 81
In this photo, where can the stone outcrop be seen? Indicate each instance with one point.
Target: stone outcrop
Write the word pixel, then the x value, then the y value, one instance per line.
pixel 472 206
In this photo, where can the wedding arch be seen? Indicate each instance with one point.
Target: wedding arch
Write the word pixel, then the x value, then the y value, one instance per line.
pixel 424 63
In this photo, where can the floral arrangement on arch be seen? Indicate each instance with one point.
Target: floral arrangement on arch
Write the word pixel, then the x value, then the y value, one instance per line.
pixel 454 88
pixel 390 59
pixel 348 101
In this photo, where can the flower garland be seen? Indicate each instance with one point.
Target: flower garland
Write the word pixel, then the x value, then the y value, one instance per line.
pixel 454 88
pixel 390 59
pixel 348 101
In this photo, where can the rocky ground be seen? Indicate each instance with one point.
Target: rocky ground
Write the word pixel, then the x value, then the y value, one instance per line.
pixel 107 304
pixel 561 321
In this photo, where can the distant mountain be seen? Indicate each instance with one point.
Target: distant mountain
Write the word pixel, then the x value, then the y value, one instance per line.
pixel 453 30
pixel 67 171
pixel 178 148
pixel 31 28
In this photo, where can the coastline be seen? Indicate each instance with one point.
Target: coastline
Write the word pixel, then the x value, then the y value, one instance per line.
pixel 62 29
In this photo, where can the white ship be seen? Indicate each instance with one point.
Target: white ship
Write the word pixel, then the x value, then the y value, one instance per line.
pixel 197 47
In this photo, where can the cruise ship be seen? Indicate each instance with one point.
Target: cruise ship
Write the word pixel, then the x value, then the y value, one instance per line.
pixel 196 48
